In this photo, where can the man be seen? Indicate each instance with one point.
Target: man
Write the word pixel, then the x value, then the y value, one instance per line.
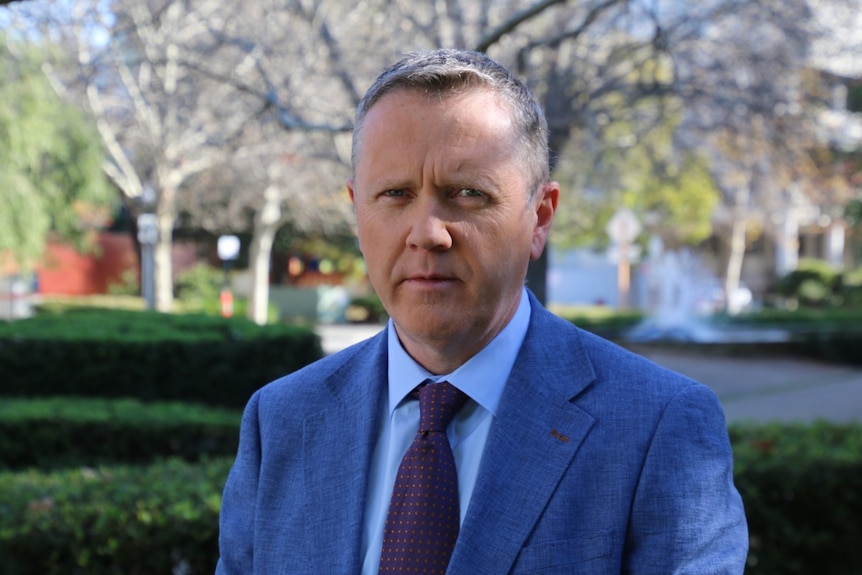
pixel 572 455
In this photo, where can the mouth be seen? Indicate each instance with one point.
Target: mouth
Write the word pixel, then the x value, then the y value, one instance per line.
pixel 429 280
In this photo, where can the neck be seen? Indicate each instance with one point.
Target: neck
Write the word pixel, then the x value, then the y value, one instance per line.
pixel 439 360
pixel 445 355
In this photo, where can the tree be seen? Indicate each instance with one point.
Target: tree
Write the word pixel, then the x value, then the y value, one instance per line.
pixel 179 85
pixel 728 69
pixel 748 108
pixel 161 119
pixel 670 190
pixel 50 165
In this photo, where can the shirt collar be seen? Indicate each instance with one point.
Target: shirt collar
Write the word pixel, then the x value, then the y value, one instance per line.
pixel 482 377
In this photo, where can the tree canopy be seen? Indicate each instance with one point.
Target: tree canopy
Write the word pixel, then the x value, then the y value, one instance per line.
pixel 51 176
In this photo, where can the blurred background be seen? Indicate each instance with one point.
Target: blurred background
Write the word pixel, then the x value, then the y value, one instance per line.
pixel 175 232
pixel 717 139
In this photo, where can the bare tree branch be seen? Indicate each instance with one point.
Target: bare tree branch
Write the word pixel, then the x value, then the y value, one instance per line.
pixel 512 23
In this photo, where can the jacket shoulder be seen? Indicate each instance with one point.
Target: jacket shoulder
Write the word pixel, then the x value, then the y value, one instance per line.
pixel 321 378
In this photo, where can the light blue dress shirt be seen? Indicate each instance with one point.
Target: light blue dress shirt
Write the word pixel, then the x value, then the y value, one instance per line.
pixel 482 378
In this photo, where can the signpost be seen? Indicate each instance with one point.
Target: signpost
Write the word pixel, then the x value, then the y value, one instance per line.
pixel 623 228
pixel 148 235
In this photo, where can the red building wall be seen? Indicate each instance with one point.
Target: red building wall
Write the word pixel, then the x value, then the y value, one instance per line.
pixel 66 271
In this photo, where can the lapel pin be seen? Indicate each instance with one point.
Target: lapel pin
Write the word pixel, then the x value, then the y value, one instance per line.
pixel 560 436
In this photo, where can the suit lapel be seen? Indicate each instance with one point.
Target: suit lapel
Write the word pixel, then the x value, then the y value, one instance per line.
pixel 534 437
pixel 338 444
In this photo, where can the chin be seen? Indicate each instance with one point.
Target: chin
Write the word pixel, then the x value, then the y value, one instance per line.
pixel 429 325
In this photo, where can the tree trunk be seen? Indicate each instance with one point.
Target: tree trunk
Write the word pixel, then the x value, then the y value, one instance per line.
pixel 738 230
pixel 259 257
pixel 163 269
pixel 266 224
pixel 163 253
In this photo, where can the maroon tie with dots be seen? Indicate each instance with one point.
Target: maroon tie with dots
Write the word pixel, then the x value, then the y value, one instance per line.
pixel 424 515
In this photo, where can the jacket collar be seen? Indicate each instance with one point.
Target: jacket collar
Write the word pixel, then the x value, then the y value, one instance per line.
pixel 532 442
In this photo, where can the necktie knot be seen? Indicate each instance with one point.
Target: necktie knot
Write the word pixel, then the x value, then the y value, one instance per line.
pixel 438 404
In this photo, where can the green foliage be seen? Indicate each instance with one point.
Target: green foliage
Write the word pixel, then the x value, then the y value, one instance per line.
pixel 804 319
pixel 118 520
pixel 831 334
pixel 50 165
pixel 812 282
pixel 801 486
pixel 198 289
pixel 602 320
pixel 645 175
pixel 684 199
pixel 854 98
pixel 69 432
pixel 815 283
pixel 148 355
pixel 198 286
pixel 128 285
pixel 851 288
pixel 366 309
pixel 835 345
pixel 853 209
pixel 55 304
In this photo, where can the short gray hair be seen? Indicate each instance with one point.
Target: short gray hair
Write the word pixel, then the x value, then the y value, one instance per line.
pixel 451 72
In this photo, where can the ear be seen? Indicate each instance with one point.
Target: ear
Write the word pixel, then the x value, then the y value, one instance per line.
pixel 352 193
pixel 545 205
pixel 349 184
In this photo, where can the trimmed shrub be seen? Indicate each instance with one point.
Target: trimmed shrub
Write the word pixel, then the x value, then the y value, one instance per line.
pixel 813 283
pixel 602 320
pixel 148 355
pixel 801 485
pixel 802 488
pixel 70 432
pixel 839 346
pixel 112 520
pixel 851 287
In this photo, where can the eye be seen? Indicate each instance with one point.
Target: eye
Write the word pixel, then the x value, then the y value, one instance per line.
pixel 469 193
pixel 395 193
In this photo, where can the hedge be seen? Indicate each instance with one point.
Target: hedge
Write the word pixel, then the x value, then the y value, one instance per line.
pixel 148 355
pixel 838 346
pixel 68 432
pixel 802 488
pixel 159 519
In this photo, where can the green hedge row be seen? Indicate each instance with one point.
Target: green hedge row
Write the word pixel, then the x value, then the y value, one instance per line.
pixel 148 355
pixel 70 432
pixel 802 488
pixel 817 283
pixel 839 346
pixel 123 520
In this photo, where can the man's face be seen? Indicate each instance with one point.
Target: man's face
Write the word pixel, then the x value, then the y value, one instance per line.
pixel 444 217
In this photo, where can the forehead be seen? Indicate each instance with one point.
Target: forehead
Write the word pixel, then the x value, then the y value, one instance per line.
pixel 476 112
pixel 467 138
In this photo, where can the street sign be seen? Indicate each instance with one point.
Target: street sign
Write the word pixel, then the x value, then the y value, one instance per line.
pixel 623 227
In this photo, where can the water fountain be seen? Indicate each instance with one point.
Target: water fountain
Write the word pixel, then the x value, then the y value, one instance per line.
pixel 681 296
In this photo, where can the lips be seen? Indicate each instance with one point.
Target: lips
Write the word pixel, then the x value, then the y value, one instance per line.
pixel 429 280
pixel 431 277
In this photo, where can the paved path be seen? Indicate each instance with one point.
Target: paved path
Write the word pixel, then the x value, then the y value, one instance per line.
pixel 772 388
pixel 750 388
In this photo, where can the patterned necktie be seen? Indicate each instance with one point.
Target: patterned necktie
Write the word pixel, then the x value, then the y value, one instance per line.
pixel 424 515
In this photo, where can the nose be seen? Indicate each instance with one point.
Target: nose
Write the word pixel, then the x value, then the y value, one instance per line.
pixel 429 228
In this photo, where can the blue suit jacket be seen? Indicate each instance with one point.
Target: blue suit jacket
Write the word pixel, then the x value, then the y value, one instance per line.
pixel 598 462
